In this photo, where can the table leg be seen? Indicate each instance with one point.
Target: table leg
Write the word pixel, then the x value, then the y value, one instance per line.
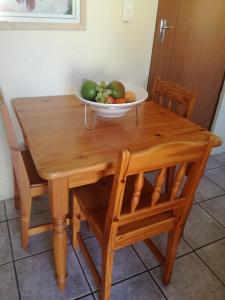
pixel 59 203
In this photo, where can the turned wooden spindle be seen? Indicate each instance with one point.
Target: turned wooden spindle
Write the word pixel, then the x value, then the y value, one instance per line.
pixel 161 99
pixel 160 179
pixel 169 103
pixel 138 185
pixel 178 180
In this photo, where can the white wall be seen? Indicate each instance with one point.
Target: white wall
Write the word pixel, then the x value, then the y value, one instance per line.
pixel 35 63
pixel 219 121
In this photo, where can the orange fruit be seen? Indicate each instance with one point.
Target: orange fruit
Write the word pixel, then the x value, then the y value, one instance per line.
pixel 120 101
pixel 130 96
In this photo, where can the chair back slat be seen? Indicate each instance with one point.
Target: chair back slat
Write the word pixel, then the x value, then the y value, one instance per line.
pixel 178 98
pixel 138 185
pixel 178 180
pixel 178 155
pixel 181 109
pixel 159 182
pixel 160 99
pixel 169 104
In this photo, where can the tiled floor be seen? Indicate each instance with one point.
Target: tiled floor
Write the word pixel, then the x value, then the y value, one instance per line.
pixel 199 271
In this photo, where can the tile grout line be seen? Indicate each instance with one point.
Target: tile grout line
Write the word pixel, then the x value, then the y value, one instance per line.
pixel 126 279
pixel 177 257
pixel 79 262
pixel 32 214
pixel 208 244
pixel 216 184
pixel 204 262
pixel 213 168
pixel 93 296
pixel 136 252
pixel 130 277
pixel 211 216
pixel 45 251
pixel 3 221
pixel 210 268
pixel 115 283
pixel 41 252
pixel 214 181
pixel 211 198
pixel 84 238
pixel 76 255
pixel 221 164
pixel 83 297
pixel 192 251
pixel 32 255
pixel 4 264
pixel 13 262
pixel 148 271
pixel 119 281
pixel 214 218
pixel 150 274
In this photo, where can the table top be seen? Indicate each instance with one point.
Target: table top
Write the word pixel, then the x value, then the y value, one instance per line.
pixel 61 146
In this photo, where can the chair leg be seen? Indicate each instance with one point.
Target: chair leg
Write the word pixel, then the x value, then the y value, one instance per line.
pixel 172 244
pixel 16 192
pixel 25 204
pixel 107 267
pixel 75 221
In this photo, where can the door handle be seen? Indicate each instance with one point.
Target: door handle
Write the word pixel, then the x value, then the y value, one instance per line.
pixel 167 27
pixel 162 30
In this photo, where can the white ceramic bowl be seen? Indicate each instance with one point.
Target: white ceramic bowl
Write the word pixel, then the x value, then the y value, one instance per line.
pixel 116 110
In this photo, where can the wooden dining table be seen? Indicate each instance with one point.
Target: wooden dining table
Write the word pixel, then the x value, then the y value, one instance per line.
pixel 68 155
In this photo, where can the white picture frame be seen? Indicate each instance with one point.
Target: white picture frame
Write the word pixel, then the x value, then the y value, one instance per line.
pixel 42 14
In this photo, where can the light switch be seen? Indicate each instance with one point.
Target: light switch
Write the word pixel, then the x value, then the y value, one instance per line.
pixel 128 11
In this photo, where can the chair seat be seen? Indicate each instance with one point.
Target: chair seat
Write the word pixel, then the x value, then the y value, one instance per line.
pixel 93 201
pixel 34 178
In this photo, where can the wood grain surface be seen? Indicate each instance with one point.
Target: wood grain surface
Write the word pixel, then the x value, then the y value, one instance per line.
pixel 61 146
pixel 68 155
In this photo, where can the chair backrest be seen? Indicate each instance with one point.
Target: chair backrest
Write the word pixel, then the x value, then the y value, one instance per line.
pixel 17 159
pixel 175 154
pixel 174 97
pixel 10 134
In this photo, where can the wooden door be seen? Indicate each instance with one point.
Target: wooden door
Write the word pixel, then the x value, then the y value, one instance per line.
pixel 193 52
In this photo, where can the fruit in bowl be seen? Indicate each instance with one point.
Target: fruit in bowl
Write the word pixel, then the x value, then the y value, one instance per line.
pixel 117 89
pixel 111 100
pixel 130 96
pixel 113 93
pixel 89 90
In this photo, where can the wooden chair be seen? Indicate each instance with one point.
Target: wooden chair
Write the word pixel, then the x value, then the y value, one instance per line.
pixel 174 97
pixel 27 182
pixel 126 208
